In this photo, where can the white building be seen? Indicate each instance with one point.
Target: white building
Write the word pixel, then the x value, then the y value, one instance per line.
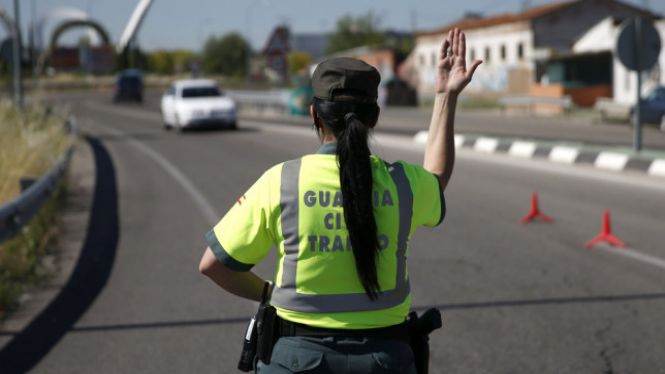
pixel 602 38
pixel 534 52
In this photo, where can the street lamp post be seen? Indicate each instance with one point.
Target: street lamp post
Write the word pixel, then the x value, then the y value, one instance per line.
pixel 16 58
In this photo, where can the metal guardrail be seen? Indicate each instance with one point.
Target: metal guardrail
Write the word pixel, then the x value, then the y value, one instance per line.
pixel 17 213
pixel 276 100
pixel 529 101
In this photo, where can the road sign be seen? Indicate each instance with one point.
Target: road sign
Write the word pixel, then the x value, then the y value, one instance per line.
pixel 638 44
pixel 638 47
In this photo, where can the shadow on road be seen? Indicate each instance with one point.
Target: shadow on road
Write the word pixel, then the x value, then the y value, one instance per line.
pixel 90 275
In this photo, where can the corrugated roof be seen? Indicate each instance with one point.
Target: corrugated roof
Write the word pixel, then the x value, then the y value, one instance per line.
pixel 476 23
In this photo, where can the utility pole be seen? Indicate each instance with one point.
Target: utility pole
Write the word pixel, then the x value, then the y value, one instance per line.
pixel 18 90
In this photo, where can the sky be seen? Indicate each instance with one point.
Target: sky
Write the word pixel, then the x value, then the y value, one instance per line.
pixel 173 24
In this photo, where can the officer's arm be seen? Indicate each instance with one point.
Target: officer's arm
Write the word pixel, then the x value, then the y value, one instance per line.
pixel 440 148
pixel 452 77
pixel 241 283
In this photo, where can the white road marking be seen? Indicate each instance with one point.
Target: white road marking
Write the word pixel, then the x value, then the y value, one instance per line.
pixel 633 254
pixel 583 172
pixel 459 141
pixel 421 137
pixel 522 149
pixel 211 216
pixel 611 161
pixel 486 145
pixel 563 155
pixel 657 168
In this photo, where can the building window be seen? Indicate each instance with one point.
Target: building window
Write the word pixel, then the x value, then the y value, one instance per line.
pixel 487 54
pixel 520 51
pixel 503 53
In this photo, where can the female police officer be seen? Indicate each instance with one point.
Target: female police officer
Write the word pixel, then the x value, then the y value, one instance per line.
pixel 341 220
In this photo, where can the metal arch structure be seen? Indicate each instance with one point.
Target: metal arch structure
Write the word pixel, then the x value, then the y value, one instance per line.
pixel 133 25
pixel 66 25
pixel 56 17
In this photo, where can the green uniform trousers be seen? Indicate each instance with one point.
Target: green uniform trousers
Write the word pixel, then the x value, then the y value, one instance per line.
pixel 339 355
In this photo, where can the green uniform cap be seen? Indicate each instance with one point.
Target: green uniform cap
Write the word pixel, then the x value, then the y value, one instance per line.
pixel 346 79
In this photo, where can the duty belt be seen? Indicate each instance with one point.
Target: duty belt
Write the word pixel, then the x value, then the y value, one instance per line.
pixel 395 332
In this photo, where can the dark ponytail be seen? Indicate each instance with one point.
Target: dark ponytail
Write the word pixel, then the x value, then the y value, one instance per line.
pixel 350 123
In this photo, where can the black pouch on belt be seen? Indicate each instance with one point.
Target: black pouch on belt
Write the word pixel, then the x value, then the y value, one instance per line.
pixel 420 328
pixel 266 326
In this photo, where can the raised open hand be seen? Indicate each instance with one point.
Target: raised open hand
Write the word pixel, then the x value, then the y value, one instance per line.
pixel 453 74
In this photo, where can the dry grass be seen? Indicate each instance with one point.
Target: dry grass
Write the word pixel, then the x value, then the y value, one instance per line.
pixel 31 142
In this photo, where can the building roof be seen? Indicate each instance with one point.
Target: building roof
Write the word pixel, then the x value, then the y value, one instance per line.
pixel 499 19
pixel 529 14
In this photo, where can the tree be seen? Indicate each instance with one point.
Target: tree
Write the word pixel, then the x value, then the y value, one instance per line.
pixel 167 62
pixel 354 32
pixel 131 57
pixel 161 62
pixel 298 61
pixel 227 55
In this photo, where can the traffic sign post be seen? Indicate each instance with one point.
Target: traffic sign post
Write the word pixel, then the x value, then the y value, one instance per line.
pixel 16 58
pixel 637 126
pixel 638 47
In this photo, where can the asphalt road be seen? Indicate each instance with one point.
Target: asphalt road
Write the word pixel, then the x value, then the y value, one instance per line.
pixel 515 298
pixel 577 128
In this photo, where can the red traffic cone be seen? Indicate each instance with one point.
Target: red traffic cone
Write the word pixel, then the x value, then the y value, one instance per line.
pixel 606 234
pixel 535 212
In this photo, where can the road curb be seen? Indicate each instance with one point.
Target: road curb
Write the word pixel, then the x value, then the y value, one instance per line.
pixel 617 160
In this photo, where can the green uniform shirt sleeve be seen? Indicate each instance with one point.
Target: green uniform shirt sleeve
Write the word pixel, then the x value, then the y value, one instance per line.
pixel 429 206
pixel 242 238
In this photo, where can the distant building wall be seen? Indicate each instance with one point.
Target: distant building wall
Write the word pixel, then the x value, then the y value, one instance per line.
pixel 603 37
pixel 518 49
pixel 506 51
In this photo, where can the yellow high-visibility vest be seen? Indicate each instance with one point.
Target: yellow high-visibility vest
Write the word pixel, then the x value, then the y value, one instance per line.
pixel 297 206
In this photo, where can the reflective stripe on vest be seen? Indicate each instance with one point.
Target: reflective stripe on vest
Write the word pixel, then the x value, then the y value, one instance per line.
pixel 286 296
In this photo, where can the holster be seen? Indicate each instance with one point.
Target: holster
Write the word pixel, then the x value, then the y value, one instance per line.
pixel 267 333
pixel 420 328
pixel 261 334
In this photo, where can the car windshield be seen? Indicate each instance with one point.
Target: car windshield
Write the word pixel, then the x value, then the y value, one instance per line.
pixel 129 81
pixel 208 91
pixel 657 94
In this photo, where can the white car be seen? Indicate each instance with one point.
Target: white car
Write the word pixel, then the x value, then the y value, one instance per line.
pixel 197 103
